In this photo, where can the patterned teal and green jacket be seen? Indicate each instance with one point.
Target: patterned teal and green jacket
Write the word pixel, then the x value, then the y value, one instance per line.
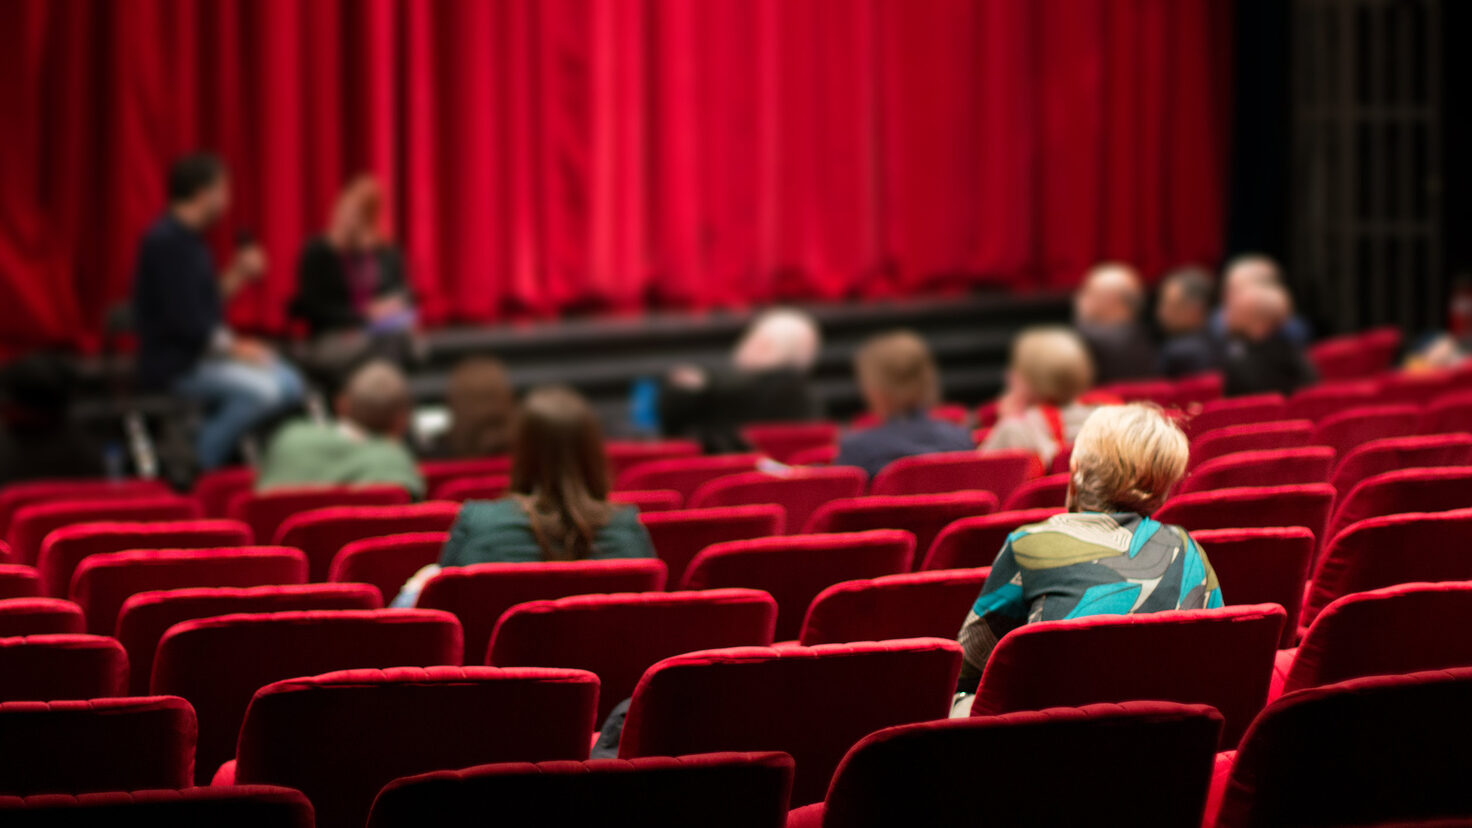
pixel 1085 563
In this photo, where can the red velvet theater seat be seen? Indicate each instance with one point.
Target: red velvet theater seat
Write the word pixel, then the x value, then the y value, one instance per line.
pixel 679 536
pixel 712 790
pixel 998 472
pixel 40 616
pixel 103 583
pixel 1268 467
pixel 145 617
pixel 618 637
pixel 975 542
pixel 912 605
pixel 1221 657
pixel 1198 389
pixel 795 568
pixel 478 595
pixel 1250 507
pixel 51 667
pixel 928 773
pixel 1416 388
pixel 264 512
pixel 684 474
pixel 17 495
pixel 626 454
pixel 31 524
pixel 799 491
pixel 215 489
pixel 19 581
pixel 463 489
pixel 218 663
pixel 1049 492
pixel 386 562
pixel 1429 489
pixel 1278 434
pixel 1236 411
pixel 67 547
pixel 1262 566
pixel 341 737
pixel 780 441
pixel 1394 453
pixel 1370 750
pixel 1356 355
pixel 1326 399
pixel 73 747
pixel 1395 549
pixel 437 473
pixel 1398 629
pixel 811 702
pixel 253 806
pixel 649 500
pixel 321 533
pixel 1347 430
pixel 1447 414
pixel 923 516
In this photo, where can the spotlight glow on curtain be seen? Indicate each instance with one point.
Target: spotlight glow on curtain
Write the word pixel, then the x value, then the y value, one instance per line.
pixel 547 156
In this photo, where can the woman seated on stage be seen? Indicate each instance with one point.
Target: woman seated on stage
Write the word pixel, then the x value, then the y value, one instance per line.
pixel 558 507
pixel 1105 555
pixel 1039 410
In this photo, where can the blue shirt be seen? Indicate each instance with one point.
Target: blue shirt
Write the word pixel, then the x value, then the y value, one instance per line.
pixel 904 436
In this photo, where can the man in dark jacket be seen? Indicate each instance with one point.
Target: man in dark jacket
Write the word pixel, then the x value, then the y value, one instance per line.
pixel 185 346
pixel 1106 312
pixel 1261 355
pixel 1184 314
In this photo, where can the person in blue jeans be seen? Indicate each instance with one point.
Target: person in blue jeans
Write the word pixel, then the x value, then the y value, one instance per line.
pixel 185 346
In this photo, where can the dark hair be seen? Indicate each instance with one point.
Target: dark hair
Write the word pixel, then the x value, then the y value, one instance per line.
pixel 1196 284
pixel 898 368
pixel 560 472
pixel 192 174
pixel 482 403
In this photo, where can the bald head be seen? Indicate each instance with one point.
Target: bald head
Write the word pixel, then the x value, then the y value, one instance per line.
pixel 781 338
pixel 1111 294
pixel 376 399
pixel 1250 269
pixel 1256 311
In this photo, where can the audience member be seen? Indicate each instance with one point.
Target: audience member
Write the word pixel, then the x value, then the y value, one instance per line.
pixel 900 383
pixel 1261 356
pixel 38 438
pixel 558 508
pixel 1039 410
pixel 351 289
pixel 365 445
pixel 1106 311
pixel 482 404
pixel 1184 315
pixel 1256 269
pixel 184 344
pixel 1106 555
pixel 767 381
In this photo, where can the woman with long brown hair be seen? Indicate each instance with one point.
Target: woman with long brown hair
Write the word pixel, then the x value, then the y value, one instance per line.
pixel 558 507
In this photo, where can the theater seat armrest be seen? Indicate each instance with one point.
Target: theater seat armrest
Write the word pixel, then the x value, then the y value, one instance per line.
pixel 1219 775
pixel 808 816
pixel 225 775
pixel 785 645
pixel 1282 663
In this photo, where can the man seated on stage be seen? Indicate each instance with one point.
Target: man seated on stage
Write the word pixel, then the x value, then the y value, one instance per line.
pixel 1184 314
pixel 1262 356
pixel 766 382
pixel 365 445
pixel 1106 311
pixel 185 346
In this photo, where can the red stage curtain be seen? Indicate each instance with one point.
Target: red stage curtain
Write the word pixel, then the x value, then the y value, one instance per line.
pixel 547 156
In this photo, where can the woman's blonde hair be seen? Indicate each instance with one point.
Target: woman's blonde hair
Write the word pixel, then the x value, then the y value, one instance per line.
pixel 1055 364
pixel 897 369
pixel 1126 459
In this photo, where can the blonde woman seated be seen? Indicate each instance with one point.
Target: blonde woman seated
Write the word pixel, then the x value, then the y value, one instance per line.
pixel 1106 555
pixel 898 378
pixel 1039 410
pixel 558 507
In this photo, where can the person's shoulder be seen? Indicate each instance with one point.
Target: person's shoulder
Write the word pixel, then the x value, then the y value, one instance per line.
pixel 501 510
pixel 951 432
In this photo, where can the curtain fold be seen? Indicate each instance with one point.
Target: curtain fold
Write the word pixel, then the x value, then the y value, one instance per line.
pixel 558 156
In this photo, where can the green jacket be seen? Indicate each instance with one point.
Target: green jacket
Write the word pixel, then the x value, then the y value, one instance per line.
pixel 499 531
pixel 305 453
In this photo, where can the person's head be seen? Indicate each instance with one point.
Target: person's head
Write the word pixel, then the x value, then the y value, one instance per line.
pixel 376 399
pixel 199 189
pixel 1185 301
pixel 357 216
pixel 1247 270
pixel 37 392
pixel 558 464
pixel 482 404
pixel 781 338
pixel 1257 311
pixel 1111 294
pixel 1050 366
pixel 1126 458
pixel 897 374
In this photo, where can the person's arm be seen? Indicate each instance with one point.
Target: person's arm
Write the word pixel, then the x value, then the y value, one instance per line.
pixel 1000 608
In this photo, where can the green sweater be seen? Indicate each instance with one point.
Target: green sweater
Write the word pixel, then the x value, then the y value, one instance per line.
pixel 305 453
pixel 499 531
